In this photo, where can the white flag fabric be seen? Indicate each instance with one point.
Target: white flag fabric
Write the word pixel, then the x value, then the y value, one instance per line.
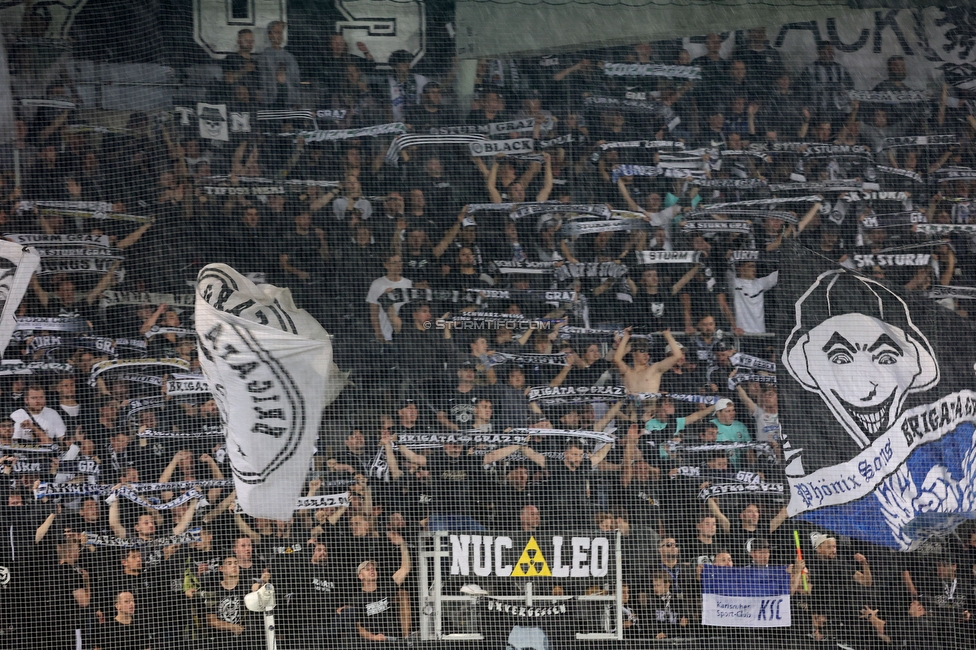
pixel 17 265
pixel 269 366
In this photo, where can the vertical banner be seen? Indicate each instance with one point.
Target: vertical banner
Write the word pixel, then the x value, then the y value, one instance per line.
pixel 7 123
pixel 17 265
pixel 745 596
pixel 878 406
pixel 269 366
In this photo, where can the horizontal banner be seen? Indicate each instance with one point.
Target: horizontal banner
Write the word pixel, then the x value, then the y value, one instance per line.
pixel 8 369
pixel 129 364
pixel 206 432
pixel 96 539
pixel 51 266
pixel 77 325
pixel 745 378
pixel 504 147
pixel 939 292
pixel 724 489
pixel 733 183
pixel 921 141
pixel 667 257
pixel 187 386
pixel 79 209
pixel 691 72
pixel 524 359
pixel 582 393
pixel 945 228
pixel 760 448
pixel 535 268
pixel 742 360
pixel 729 225
pixel 47 489
pixel 81 252
pixel 531 209
pixel 524 125
pixel 348 134
pixel 111 298
pixel 59 240
pixel 889 97
pixel 572 270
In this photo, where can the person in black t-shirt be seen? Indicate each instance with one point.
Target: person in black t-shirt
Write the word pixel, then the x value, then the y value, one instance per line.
pixel 354 459
pixel 310 614
pixel 379 602
pixel 457 405
pixel 704 547
pixel 124 631
pixel 240 67
pixel 569 480
pixel 233 626
pixel 455 475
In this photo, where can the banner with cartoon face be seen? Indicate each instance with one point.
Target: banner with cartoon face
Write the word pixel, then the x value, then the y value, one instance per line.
pixel 879 403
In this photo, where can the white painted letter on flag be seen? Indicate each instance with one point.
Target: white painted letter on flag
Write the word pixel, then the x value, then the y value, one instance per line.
pixel 746 596
pixel 269 366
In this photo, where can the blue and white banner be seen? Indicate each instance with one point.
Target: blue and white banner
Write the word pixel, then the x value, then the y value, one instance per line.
pixel 745 596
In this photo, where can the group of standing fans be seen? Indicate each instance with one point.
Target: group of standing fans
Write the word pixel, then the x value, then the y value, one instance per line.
pixel 457 298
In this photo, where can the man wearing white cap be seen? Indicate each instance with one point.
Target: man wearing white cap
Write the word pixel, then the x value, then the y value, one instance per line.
pixel 729 429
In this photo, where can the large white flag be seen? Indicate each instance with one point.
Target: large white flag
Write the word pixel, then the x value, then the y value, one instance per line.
pixel 269 365
pixel 17 265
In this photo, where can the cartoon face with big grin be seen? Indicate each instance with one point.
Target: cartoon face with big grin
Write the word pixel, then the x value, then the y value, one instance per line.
pixel 864 358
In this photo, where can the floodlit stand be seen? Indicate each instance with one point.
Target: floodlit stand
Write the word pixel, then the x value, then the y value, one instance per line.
pixel 435 550
pixel 263 600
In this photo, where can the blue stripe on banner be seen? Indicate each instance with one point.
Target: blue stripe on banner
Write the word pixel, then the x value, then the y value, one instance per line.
pixel 745 581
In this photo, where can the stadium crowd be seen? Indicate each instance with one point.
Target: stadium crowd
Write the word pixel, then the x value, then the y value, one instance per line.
pixel 464 299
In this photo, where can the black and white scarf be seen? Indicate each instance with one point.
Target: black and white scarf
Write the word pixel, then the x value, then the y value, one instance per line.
pixel 743 378
pixel 667 257
pixel 532 209
pixel 111 298
pixel 743 360
pixel 959 293
pixel 729 225
pixel 401 142
pixel 690 72
pixel 889 96
pixel 752 489
pixel 348 134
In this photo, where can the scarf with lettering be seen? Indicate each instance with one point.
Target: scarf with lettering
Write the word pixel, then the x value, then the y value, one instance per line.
pixel 348 134
pixel 96 539
pixel 743 360
pixel 752 489
pixel 79 209
pixel 111 298
pixel 215 431
pixel 154 503
pixel 667 257
pixel 742 378
pixel 690 72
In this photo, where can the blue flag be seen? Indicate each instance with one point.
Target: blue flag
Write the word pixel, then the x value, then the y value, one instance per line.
pixel 746 596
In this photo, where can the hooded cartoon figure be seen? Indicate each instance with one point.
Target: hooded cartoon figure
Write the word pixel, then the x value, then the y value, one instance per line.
pixel 864 358
pixel 896 462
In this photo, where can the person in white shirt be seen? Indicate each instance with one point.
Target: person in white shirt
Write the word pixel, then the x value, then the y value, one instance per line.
pixel 393 288
pixel 749 296
pixel 37 422
pixel 766 416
